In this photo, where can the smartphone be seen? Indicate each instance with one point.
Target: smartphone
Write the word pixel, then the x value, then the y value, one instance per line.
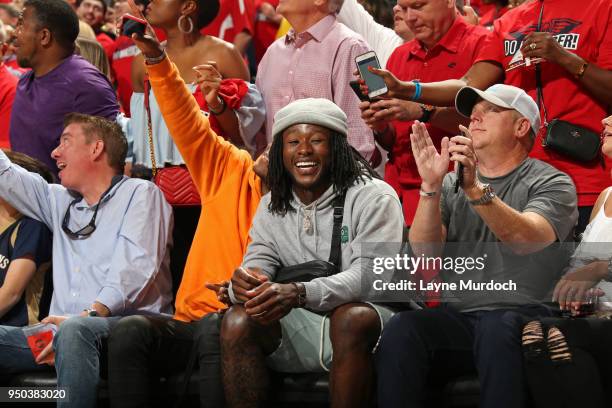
pixel 459 169
pixel 131 24
pixel 357 89
pixel 376 85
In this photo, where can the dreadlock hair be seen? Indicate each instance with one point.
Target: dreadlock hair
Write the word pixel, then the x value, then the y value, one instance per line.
pixel 347 167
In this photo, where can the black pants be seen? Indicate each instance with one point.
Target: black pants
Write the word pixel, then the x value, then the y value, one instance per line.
pixel 422 346
pixel 587 381
pixel 142 349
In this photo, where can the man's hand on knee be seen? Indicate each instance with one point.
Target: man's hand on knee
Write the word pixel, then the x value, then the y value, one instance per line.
pixel 272 301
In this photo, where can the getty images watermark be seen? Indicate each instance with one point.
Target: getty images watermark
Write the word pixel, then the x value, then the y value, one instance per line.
pixel 411 265
pixel 467 272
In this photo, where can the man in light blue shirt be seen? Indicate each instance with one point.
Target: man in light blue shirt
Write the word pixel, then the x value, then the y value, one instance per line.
pixel 111 246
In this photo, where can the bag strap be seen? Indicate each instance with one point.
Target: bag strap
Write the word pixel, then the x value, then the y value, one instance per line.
pixel 538 74
pixel 147 91
pixel 334 254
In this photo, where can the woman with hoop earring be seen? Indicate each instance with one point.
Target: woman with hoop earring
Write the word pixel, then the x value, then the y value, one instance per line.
pixel 235 107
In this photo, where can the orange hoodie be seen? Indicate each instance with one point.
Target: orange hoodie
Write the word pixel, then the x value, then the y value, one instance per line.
pixel 229 188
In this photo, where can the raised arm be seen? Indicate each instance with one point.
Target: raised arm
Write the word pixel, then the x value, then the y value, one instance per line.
pixel 205 153
pixel 481 75
pixel 27 192
pixel 427 227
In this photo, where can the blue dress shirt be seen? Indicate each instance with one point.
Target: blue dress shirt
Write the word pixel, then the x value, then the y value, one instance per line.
pixel 123 264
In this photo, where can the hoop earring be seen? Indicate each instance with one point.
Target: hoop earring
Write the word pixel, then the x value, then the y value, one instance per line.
pixel 180 24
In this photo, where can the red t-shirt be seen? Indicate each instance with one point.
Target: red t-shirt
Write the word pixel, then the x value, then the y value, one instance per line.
pixel 107 43
pixel 480 7
pixel 584 28
pixel 121 64
pixel 265 31
pixel 487 19
pixel 13 66
pixel 8 85
pixel 235 16
pixel 449 59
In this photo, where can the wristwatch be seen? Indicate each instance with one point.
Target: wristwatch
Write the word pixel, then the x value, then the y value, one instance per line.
pixel 488 194
pixel 91 312
pixel 427 112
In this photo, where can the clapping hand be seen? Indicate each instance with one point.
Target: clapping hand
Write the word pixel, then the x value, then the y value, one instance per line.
pixel 432 165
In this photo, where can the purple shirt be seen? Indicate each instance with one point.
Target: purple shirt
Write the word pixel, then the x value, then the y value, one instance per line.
pixel 317 63
pixel 41 103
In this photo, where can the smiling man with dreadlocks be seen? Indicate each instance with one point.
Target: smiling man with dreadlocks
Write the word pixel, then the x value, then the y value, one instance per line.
pixel 315 178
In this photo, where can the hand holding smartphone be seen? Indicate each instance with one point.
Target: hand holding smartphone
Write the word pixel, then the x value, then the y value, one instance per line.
pixel 131 24
pixel 376 85
pixel 460 168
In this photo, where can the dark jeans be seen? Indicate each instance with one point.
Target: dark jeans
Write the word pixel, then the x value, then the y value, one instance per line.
pixel 142 349
pixel 420 346
pixel 587 381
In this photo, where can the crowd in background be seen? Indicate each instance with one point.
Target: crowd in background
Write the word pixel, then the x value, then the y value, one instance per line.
pixel 211 102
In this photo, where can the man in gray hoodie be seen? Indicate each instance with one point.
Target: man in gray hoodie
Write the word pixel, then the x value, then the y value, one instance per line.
pixel 273 324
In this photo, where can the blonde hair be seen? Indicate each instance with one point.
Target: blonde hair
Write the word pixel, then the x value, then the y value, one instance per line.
pixel 93 52
pixel 85 31
pixel 3 33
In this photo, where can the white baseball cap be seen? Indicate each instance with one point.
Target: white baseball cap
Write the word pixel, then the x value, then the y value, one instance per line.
pixel 505 96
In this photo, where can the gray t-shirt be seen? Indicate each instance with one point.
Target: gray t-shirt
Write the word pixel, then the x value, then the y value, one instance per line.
pixel 533 186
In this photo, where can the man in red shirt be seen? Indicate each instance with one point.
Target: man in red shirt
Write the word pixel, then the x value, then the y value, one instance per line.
pixel 444 47
pixel 8 84
pixel 93 13
pixel 575 41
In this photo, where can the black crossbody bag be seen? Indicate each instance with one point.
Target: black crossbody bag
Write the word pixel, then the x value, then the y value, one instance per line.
pixel 563 137
pixel 307 271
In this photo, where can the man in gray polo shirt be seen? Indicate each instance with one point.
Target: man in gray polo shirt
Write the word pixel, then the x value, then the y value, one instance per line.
pixel 509 210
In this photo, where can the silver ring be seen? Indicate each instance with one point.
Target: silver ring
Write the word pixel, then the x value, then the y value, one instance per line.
pixel 532 46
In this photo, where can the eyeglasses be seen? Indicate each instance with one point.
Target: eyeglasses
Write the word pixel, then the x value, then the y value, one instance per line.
pixel 91 226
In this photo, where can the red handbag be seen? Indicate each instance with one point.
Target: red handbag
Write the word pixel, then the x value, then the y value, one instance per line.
pixel 174 181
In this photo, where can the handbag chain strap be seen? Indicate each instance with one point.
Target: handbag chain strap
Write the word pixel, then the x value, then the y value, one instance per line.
pixel 538 73
pixel 334 254
pixel 147 90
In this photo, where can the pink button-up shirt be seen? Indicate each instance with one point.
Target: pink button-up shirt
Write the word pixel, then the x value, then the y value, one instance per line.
pixel 317 63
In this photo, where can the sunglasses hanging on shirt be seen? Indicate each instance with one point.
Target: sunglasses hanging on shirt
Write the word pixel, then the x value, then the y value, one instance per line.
pixel 91 226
